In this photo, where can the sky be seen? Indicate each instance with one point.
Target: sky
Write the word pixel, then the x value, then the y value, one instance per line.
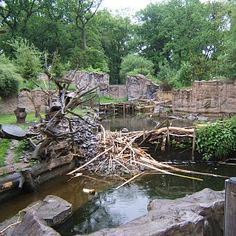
pixel 132 5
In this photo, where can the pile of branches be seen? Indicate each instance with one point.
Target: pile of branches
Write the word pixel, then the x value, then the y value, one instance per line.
pixel 64 133
pixel 70 137
pixel 120 155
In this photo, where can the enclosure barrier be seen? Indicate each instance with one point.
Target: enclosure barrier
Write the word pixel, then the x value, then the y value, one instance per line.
pixel 230 207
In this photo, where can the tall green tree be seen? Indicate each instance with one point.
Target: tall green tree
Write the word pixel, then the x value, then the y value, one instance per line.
pixel 116 34
pixel 180 31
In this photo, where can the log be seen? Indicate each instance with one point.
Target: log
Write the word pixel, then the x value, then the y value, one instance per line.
pixel 230 207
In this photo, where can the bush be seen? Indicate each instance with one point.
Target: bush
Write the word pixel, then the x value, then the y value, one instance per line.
pixel 27 58
pixel 134 64
pixel 9 79
pixel 90 58
pixel 183 77
pixel 217 140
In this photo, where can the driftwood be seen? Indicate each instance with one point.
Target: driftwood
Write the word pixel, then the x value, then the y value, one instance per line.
pixel 120 155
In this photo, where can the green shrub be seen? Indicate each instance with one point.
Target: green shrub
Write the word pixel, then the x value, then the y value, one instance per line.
pixel 90 59
pixel 27 58
pixel 183 77
pixel 217 140
pixel 134 64
pixel 9 79
pixel 4 146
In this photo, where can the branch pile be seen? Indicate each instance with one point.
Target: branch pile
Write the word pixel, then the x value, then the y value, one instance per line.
pixel 120 155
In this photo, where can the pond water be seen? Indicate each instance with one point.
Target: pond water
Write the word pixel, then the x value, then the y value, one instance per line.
pixel 111 207
pixel 139 122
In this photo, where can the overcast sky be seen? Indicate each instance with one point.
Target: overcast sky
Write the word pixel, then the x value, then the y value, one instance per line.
pixel 133 5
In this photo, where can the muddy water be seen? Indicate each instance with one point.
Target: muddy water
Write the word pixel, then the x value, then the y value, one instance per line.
pixel 62 186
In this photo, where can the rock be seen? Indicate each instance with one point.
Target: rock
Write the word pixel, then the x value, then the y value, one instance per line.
pixel 124 130
pixel 200 214
pixel 32 225
pixel 54 210
pixel 51 211
pixel 202 118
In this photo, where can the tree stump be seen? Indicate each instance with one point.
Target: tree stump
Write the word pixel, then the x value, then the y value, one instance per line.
pixel 20 114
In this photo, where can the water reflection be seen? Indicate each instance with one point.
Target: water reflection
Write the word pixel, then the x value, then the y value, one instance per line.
pixel 116 207
pixel 138 122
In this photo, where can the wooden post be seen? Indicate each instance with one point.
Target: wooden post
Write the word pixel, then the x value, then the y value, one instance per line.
pixel 230 207
pixel 194 144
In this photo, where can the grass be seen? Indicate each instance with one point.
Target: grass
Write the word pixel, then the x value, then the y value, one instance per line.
pixel 19 150
pixel 107 99
pixel 4 146
pixel 11 118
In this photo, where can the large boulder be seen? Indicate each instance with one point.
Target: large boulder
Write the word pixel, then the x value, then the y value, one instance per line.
pixel 51 211
pixel 200 214
pixel 32 225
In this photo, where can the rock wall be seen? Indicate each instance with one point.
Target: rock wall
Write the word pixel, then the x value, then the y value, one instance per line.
pixel 117 91
pixel 140 87
pixel 24 99
pixel 208 97
pixel 200 214
pixel 91 80
pixel 8 106
pixel 136 87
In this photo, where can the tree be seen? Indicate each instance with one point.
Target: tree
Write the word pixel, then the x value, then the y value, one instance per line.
pixel 27 58
pixel 134 64
pixel 82 13
pixel 16 14
pixel 116 34
pixel 9 78
pixel 177 31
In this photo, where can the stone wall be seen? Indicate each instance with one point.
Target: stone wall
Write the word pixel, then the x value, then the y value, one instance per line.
pixel 8 106
pixel 136 87
pixel 117 91
pixel 26 99
pixel 140 87
pixel 209 97
pixel 23 100
pixel 91 80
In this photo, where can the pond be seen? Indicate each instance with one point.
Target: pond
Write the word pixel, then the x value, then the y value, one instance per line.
pixel 111 207
pixel 139 122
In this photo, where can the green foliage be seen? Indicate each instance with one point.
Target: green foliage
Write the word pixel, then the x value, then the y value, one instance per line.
pixel 107 99
pixel 134 64
pixel 90 58
pixel 22 146
pixel 177 32
pixel 217 140
pixel 116 33
pixel 184 76
pixel 9 79
pixel 11 119
pixel 27 58
pixel 59 69
pixel 4 146
pixel 168 33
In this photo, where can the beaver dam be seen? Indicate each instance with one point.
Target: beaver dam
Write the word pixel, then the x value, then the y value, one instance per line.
pixel 65 137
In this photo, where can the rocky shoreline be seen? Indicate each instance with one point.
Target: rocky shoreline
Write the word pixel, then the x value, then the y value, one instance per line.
pixel 199 214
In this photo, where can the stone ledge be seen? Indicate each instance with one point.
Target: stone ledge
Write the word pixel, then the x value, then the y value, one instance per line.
pixel 51 211
pixel 200 214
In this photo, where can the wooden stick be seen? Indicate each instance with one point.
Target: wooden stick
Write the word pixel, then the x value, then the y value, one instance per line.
pixel 128 181
pixel 181 170
pixel 87 163
pixel 194 143
pixel 167 172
